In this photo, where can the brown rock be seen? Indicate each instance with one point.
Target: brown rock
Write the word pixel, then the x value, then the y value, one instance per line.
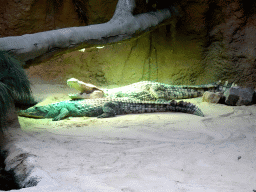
pixel 239 96
pixel 212 97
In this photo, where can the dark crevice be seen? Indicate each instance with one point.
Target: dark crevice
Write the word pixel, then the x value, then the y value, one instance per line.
pixel 249 7
pixel 7 179
pixel 80 8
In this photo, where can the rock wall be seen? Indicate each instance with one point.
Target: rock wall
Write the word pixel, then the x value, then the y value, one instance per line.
pixel 230 53
pixel 31 16
pixel 155 56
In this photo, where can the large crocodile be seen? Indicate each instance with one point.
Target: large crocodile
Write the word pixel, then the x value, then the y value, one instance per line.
pixel 105 107
pixel 143 90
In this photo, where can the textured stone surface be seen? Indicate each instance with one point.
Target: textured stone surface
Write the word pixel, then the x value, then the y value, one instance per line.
pixel 239 96
pixel 31 16
pixel 231 41
pixel 212 97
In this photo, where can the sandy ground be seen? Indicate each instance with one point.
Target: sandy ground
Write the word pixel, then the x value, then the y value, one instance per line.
pixel 156 152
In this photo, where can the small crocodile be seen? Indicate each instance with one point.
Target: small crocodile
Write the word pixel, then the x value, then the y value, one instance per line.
pixel 143 90
pixel 106 107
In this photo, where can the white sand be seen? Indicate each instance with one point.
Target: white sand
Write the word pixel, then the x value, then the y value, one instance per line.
pixel 156 152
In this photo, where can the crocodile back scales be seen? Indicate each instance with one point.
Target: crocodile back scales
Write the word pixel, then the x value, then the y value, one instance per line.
pixel 118 106
pixel 150 91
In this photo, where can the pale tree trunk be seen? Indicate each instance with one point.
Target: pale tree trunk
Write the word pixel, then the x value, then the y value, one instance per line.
pixel 38 47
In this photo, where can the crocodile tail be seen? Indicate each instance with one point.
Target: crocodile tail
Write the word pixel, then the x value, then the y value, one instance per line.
pixel 14 86
pixel 222 87
pixel 185 107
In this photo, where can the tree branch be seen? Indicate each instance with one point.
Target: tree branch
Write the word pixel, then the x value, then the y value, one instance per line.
pixel 38 47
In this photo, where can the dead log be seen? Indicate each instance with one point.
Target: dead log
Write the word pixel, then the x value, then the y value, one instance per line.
pixel 38 47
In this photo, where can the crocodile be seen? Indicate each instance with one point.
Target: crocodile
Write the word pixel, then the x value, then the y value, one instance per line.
pixel 106 107
pixel 144 90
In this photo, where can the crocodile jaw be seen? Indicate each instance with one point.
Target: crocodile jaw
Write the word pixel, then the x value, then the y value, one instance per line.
pixel 24 114
pixel 74 83
pixel 34 112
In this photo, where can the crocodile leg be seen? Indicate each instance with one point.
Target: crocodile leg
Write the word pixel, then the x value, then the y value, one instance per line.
pixel 109 110
pixel 63 113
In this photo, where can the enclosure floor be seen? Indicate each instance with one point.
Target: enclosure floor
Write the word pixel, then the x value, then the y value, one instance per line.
pixel 146 152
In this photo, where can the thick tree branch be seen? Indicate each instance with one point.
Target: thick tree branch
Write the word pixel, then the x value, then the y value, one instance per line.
pixel 37 47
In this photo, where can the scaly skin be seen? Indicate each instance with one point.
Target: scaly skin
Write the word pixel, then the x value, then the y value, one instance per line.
pixel 106 107
pixel 151 91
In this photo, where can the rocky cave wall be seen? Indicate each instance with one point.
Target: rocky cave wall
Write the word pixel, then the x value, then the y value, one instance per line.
pixel 32 16
pixel 230 49
pixel 151 57
pixel 211 40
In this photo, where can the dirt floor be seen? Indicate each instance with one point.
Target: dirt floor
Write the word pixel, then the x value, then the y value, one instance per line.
pixel 157 152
